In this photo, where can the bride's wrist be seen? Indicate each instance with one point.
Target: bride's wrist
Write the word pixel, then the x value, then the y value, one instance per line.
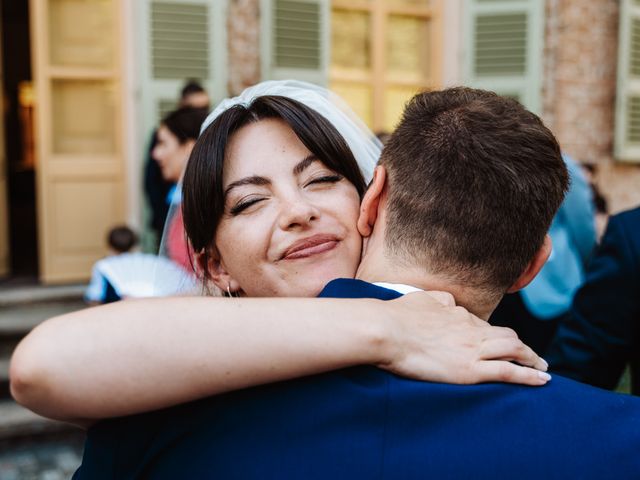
pixel 378 326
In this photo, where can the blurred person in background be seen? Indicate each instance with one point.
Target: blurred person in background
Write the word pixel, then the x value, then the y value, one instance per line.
pixel 176 137
pixel 536 311
pixel 590 171
pixel 155 186
pixel 132 274
pixel 121 240
pixel 602 332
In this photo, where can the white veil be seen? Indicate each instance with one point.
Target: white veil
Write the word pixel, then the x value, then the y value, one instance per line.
pixel 364 145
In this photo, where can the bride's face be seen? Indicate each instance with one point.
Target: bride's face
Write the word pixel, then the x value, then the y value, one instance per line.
pixel 289 222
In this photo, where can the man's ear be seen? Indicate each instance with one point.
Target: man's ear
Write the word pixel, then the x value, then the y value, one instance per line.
pixel 218 272
pixel 371 201
pixel 534 266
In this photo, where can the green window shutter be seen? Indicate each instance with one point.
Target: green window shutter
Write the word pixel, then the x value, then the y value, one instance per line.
pixel 504 41
pixel 295 39
pixel 627 115
pixel 179 40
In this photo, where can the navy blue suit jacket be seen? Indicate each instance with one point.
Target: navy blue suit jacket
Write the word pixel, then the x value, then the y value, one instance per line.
pixel 602 333
pixel 363 423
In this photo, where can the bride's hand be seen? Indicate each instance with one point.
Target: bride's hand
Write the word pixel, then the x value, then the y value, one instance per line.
pixel 429 338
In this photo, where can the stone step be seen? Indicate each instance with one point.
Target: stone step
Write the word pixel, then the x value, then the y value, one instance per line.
pixel 18 422
pixel 4 378
pixel 11 296
pixel 18 320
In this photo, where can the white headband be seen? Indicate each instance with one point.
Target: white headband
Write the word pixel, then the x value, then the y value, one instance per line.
pixel 364 145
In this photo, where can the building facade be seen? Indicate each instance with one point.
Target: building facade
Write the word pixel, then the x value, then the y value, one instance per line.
pixel 100 74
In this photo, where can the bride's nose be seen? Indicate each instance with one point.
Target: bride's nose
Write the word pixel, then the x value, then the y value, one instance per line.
pixel 297 212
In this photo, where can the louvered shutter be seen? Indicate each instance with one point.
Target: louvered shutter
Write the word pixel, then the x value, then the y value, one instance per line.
pixel 504 41
pixel 295 39
pixel 627 129
pixel 179 40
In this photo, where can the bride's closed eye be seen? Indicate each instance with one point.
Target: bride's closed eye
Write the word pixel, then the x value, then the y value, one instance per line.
pixel 244 203
pixel 329 178
pixel 317 179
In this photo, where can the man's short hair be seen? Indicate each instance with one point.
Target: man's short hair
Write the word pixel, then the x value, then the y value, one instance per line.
pixel 191 87
pixel 474 182
pixel 122 239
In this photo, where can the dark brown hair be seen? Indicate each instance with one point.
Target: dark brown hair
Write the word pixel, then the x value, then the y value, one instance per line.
pixel 192 86
pixel 474 182
pixel 203 195
pixel 185 122
pixel 122 239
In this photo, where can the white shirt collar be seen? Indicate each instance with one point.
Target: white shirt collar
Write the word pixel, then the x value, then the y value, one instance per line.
pixel 398 287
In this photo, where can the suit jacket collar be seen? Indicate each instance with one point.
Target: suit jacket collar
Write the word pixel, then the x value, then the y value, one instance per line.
pixel 353 288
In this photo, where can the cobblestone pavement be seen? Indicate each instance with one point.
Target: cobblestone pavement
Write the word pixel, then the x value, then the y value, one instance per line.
pixel 55 459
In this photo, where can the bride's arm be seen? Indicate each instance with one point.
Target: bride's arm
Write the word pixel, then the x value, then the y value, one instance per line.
pixel 141 355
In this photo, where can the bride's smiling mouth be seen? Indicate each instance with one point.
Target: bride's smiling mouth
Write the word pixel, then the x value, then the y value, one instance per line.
pixel 310 246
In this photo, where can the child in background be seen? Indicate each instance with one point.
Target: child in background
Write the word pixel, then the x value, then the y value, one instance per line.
pixel 125 274
pixel 121 240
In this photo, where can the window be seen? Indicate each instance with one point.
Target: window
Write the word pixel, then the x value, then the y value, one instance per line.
pixel 504 41
pixel 627 120
pixel 382 53
pixel 295 40
pixel 179 40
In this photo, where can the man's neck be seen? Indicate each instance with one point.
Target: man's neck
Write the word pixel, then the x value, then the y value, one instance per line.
pixel 377 267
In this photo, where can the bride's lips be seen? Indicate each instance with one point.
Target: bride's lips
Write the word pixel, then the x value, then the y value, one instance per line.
pixel 309 246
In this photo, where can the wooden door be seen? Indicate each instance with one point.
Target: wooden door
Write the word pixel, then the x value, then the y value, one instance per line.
pixel 4 220
pixel 77 62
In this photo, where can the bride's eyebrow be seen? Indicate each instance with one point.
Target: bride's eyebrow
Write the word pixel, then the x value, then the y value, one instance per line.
pixel 304 163
pixel 257 180
pixel 253 180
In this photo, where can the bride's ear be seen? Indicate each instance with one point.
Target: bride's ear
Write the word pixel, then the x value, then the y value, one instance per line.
pixel 218 272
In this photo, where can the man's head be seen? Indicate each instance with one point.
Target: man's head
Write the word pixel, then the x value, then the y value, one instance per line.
pixel 121 239
pixel 194 95
pixel 473 181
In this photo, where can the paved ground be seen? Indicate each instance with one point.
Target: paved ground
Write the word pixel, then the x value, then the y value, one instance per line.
pixel 17 422
pixel 54 459
pixel 32 448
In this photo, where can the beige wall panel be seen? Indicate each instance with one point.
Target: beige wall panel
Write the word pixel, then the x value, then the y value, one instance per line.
pixel 77 29
pixel 408 48
pixel 4 226
pixel 408 3
pixel 350 40
pixel 81 227
pixel 357 96
pixel 83 117
pixel 86 166
pixel 395 98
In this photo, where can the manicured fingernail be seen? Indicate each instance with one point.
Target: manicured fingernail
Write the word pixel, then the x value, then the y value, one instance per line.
pixel 544 362
pixel 544 376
